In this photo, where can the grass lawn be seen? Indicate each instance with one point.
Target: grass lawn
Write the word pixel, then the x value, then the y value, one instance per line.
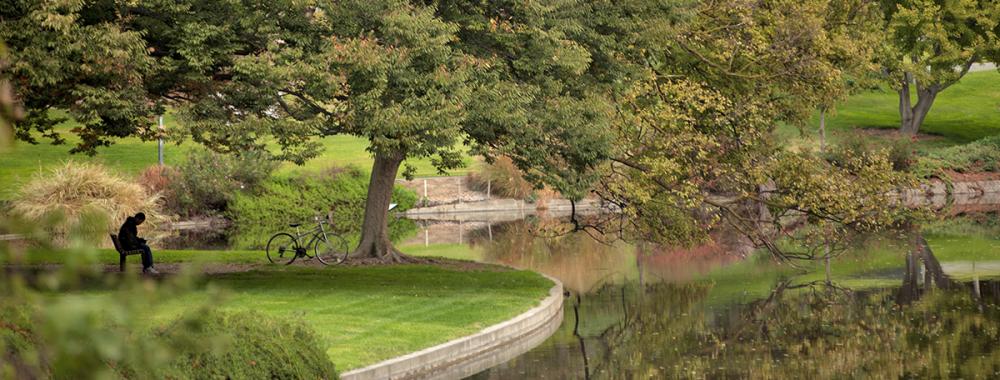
pixel 448 251
pixel 368 314
pixel 130 156
pixel 362 315
pixel 968 110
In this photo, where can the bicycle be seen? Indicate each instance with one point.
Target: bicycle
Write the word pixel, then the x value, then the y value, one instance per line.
pixel 329 249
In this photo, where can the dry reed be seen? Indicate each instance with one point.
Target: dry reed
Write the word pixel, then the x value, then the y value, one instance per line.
pixel 83 196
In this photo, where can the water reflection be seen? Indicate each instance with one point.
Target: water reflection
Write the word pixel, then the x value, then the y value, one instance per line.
pixel 582 261
pixel 640 311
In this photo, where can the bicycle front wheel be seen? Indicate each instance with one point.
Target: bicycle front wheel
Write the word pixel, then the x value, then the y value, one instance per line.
pixel 332 250
pixel 282 248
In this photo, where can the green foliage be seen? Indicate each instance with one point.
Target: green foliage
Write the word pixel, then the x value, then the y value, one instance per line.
pixel 243 345
pixel 92 338
pixel 899 150
pixel 73 56
pixel 978 156
pixel 337 193
pixel 207 182
pixel 930 38
pixel 113 64
pixel 931 44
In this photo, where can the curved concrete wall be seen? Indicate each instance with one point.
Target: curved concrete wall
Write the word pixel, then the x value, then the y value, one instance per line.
pixel 471 354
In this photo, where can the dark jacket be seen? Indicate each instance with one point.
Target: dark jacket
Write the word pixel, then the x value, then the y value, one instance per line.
pixel 128 235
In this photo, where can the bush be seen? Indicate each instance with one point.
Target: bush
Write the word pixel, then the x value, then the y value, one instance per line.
pixel 900 150
pixel 246 345
pixel 83 197
pixel 156 179
pixel 208 181
pixel 338 195
pixel 978 156
pixel 90 343
pixel 504 179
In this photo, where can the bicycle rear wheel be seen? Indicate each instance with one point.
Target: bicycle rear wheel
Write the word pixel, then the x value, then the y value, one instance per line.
pixel 282 248
pixel 332 250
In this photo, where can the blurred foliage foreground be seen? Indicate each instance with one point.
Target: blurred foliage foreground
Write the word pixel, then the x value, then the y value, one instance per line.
pixel 51 328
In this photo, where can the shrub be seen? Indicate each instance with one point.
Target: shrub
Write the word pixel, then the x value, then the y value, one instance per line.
pixel 84 197
pixel 247 345
pixel 156 179
pixel 337 194
pixel 82 340
pixel 902 154
pixel 208 181
pixel 900 150
pixel 982 155
pixel 504 179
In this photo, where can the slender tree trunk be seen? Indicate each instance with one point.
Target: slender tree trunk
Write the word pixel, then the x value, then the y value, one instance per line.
pixel 912 115
pixel 822 129
pixel 931 264
pixel 375 229
pixel 905 111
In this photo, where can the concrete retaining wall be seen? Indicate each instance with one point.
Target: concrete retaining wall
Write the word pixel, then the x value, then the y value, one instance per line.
pixel 474 353
pixel 964 196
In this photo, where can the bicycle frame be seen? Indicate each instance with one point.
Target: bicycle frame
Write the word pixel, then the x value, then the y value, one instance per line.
pixel 313 233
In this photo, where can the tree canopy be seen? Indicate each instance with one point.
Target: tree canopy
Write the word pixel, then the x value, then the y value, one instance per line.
pixel 931 45
pixel 665 108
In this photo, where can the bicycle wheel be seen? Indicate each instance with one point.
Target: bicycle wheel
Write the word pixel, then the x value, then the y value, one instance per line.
pixel 282 248
pixel 332 250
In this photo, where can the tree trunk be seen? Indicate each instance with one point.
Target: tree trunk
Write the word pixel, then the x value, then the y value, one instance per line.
pixel 375 229
pixel 822 130
pixel 912 116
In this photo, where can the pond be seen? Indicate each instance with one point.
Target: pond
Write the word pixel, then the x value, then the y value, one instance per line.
pixel 891 310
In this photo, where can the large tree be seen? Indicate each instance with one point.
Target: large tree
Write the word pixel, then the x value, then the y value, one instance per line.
pixel 695 142
pixel 932 45
pixel 416 80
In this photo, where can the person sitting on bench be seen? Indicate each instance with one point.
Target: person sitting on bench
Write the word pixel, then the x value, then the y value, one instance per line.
pixel 129 238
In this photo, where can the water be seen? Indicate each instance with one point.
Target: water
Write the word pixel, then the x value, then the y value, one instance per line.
pixel 715 311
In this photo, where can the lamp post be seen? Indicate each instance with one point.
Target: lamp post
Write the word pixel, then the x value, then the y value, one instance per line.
pixel 160 142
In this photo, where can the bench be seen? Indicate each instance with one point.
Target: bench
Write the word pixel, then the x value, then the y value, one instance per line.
pixel 122 254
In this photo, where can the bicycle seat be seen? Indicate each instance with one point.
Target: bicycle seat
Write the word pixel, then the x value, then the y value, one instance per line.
pixel 293 225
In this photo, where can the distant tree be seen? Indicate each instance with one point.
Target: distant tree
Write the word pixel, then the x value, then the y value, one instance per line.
pixel 932 45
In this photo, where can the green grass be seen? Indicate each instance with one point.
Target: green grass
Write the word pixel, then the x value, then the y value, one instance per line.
pixel 130 156
pixel 450 251
pixel 368 314
pixel 968 110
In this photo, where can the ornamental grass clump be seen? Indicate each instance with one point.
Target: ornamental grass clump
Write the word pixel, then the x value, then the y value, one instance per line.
pixel 83 197
pixel 504 178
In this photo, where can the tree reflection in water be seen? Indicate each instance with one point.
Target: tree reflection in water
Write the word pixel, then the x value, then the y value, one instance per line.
pixel 930 326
